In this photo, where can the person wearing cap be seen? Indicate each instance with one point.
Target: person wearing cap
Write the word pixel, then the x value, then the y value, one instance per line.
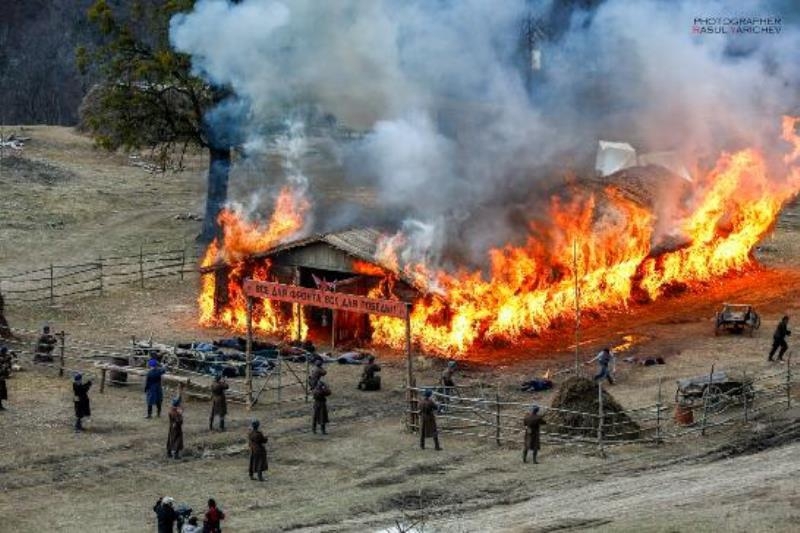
pixel 320 393
pixel 154 392
pixel 45 346
pixel 428 429
pixel 317 374
pixel 370 381
pixel 175 436
pixel 5 373
pixel 219 404
pixel 533 422
pixel 258 451
pixel 166 516
pixel 80 391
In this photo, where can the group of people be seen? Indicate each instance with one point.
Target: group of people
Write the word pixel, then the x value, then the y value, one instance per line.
pixel 169 517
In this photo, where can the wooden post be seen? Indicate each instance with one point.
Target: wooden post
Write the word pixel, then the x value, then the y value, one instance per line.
pixel 745 390
pixel 61 355
pixel 299 309
pixel 308 373
pixel 100 267
pixel 183 260
pixel 409 368
pixel 141 266
pixel 577 308
pixel 102 380
pixel 658 413
pixel 249 356
pixel 789 380
pixel 705 401
pixel 497 414
pixel 600 417
pixel 52 282
pixel 333 324
pixel 280 381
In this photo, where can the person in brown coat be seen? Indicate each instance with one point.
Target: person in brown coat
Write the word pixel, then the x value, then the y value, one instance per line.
pixel 258 451
pixel 316 374
pixel 219 405
pixel 321 393
pixel 5 373
pixel 533 422
pixel 427 410
pixel 175 437
pixel 369 379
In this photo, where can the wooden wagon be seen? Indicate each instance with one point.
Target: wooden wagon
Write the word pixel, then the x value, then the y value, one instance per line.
pixel 717 390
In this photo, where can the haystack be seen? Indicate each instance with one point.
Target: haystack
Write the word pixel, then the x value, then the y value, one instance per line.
pixel 577 400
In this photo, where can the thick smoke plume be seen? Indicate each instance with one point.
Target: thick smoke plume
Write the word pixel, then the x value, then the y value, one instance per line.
pixel 460 131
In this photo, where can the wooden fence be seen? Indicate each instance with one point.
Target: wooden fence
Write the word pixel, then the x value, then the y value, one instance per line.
pixel 482 413
pixel 54 282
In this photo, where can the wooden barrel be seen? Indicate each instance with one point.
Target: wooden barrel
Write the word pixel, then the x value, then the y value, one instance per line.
pixel 118 377
pixel 684 415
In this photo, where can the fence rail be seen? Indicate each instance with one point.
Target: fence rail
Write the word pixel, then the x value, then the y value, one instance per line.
pixel 54 282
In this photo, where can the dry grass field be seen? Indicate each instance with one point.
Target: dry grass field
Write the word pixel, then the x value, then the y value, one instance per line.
pixel 63 201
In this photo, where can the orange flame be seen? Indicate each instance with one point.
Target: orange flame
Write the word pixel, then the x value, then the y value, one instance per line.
pixel 241 239
pixel 532 285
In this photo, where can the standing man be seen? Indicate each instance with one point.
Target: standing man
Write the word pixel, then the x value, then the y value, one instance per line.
pixel 45 346
pixel 446 380
pixel 214 516
pixel 258 451
pixel 175 436
pixel 321 393
pixel 428 408
pixel 5 373
pixel 317 374
pixel 154 393
pixel 779 339
pixel 533 422
pixel 219 404
pixel 166 516
pixel 369 381
pixel 604 358
pixel 80 391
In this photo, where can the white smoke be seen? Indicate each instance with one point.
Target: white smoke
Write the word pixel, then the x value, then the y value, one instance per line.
pixel 456 130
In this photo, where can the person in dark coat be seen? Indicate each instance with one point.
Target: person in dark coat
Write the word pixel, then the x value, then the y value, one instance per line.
pixel 80 392
pixel 428 429
pixel 219 404
pixel 5 373
pixel 369 379
pixel 154 393
pixel 175 436
pixel 45 346
pixel 533 422
pixel 214 516
pixel 779 339
pixel 166 516
pixel 258 451
pixel 316 374
pixel 321 393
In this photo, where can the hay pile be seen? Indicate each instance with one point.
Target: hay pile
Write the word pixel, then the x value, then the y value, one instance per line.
pixel 578 395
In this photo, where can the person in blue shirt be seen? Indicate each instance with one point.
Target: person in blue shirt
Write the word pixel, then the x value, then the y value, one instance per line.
pixel 153 391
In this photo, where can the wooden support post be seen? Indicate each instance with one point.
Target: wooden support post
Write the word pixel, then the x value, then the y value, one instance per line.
pixel 333 325
pixel 249 356
pixel 497 415
pixel 100 268
pixel 52 285
pixel 103 380
pixel 658 413
pixel 745 391
pixel 183 260
pixel 601 416
pixel 705 401
pixel 280 381
pixel 577 307
pixel 141 266
pixel 61 348
pixel 789 380
pixel 298 309
pixel 308 373
pixel 409 369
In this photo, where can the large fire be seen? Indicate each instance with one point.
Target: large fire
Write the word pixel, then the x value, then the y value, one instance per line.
pixel 529 287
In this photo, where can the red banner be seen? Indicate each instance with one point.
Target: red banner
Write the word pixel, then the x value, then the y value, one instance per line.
pixel 327 299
